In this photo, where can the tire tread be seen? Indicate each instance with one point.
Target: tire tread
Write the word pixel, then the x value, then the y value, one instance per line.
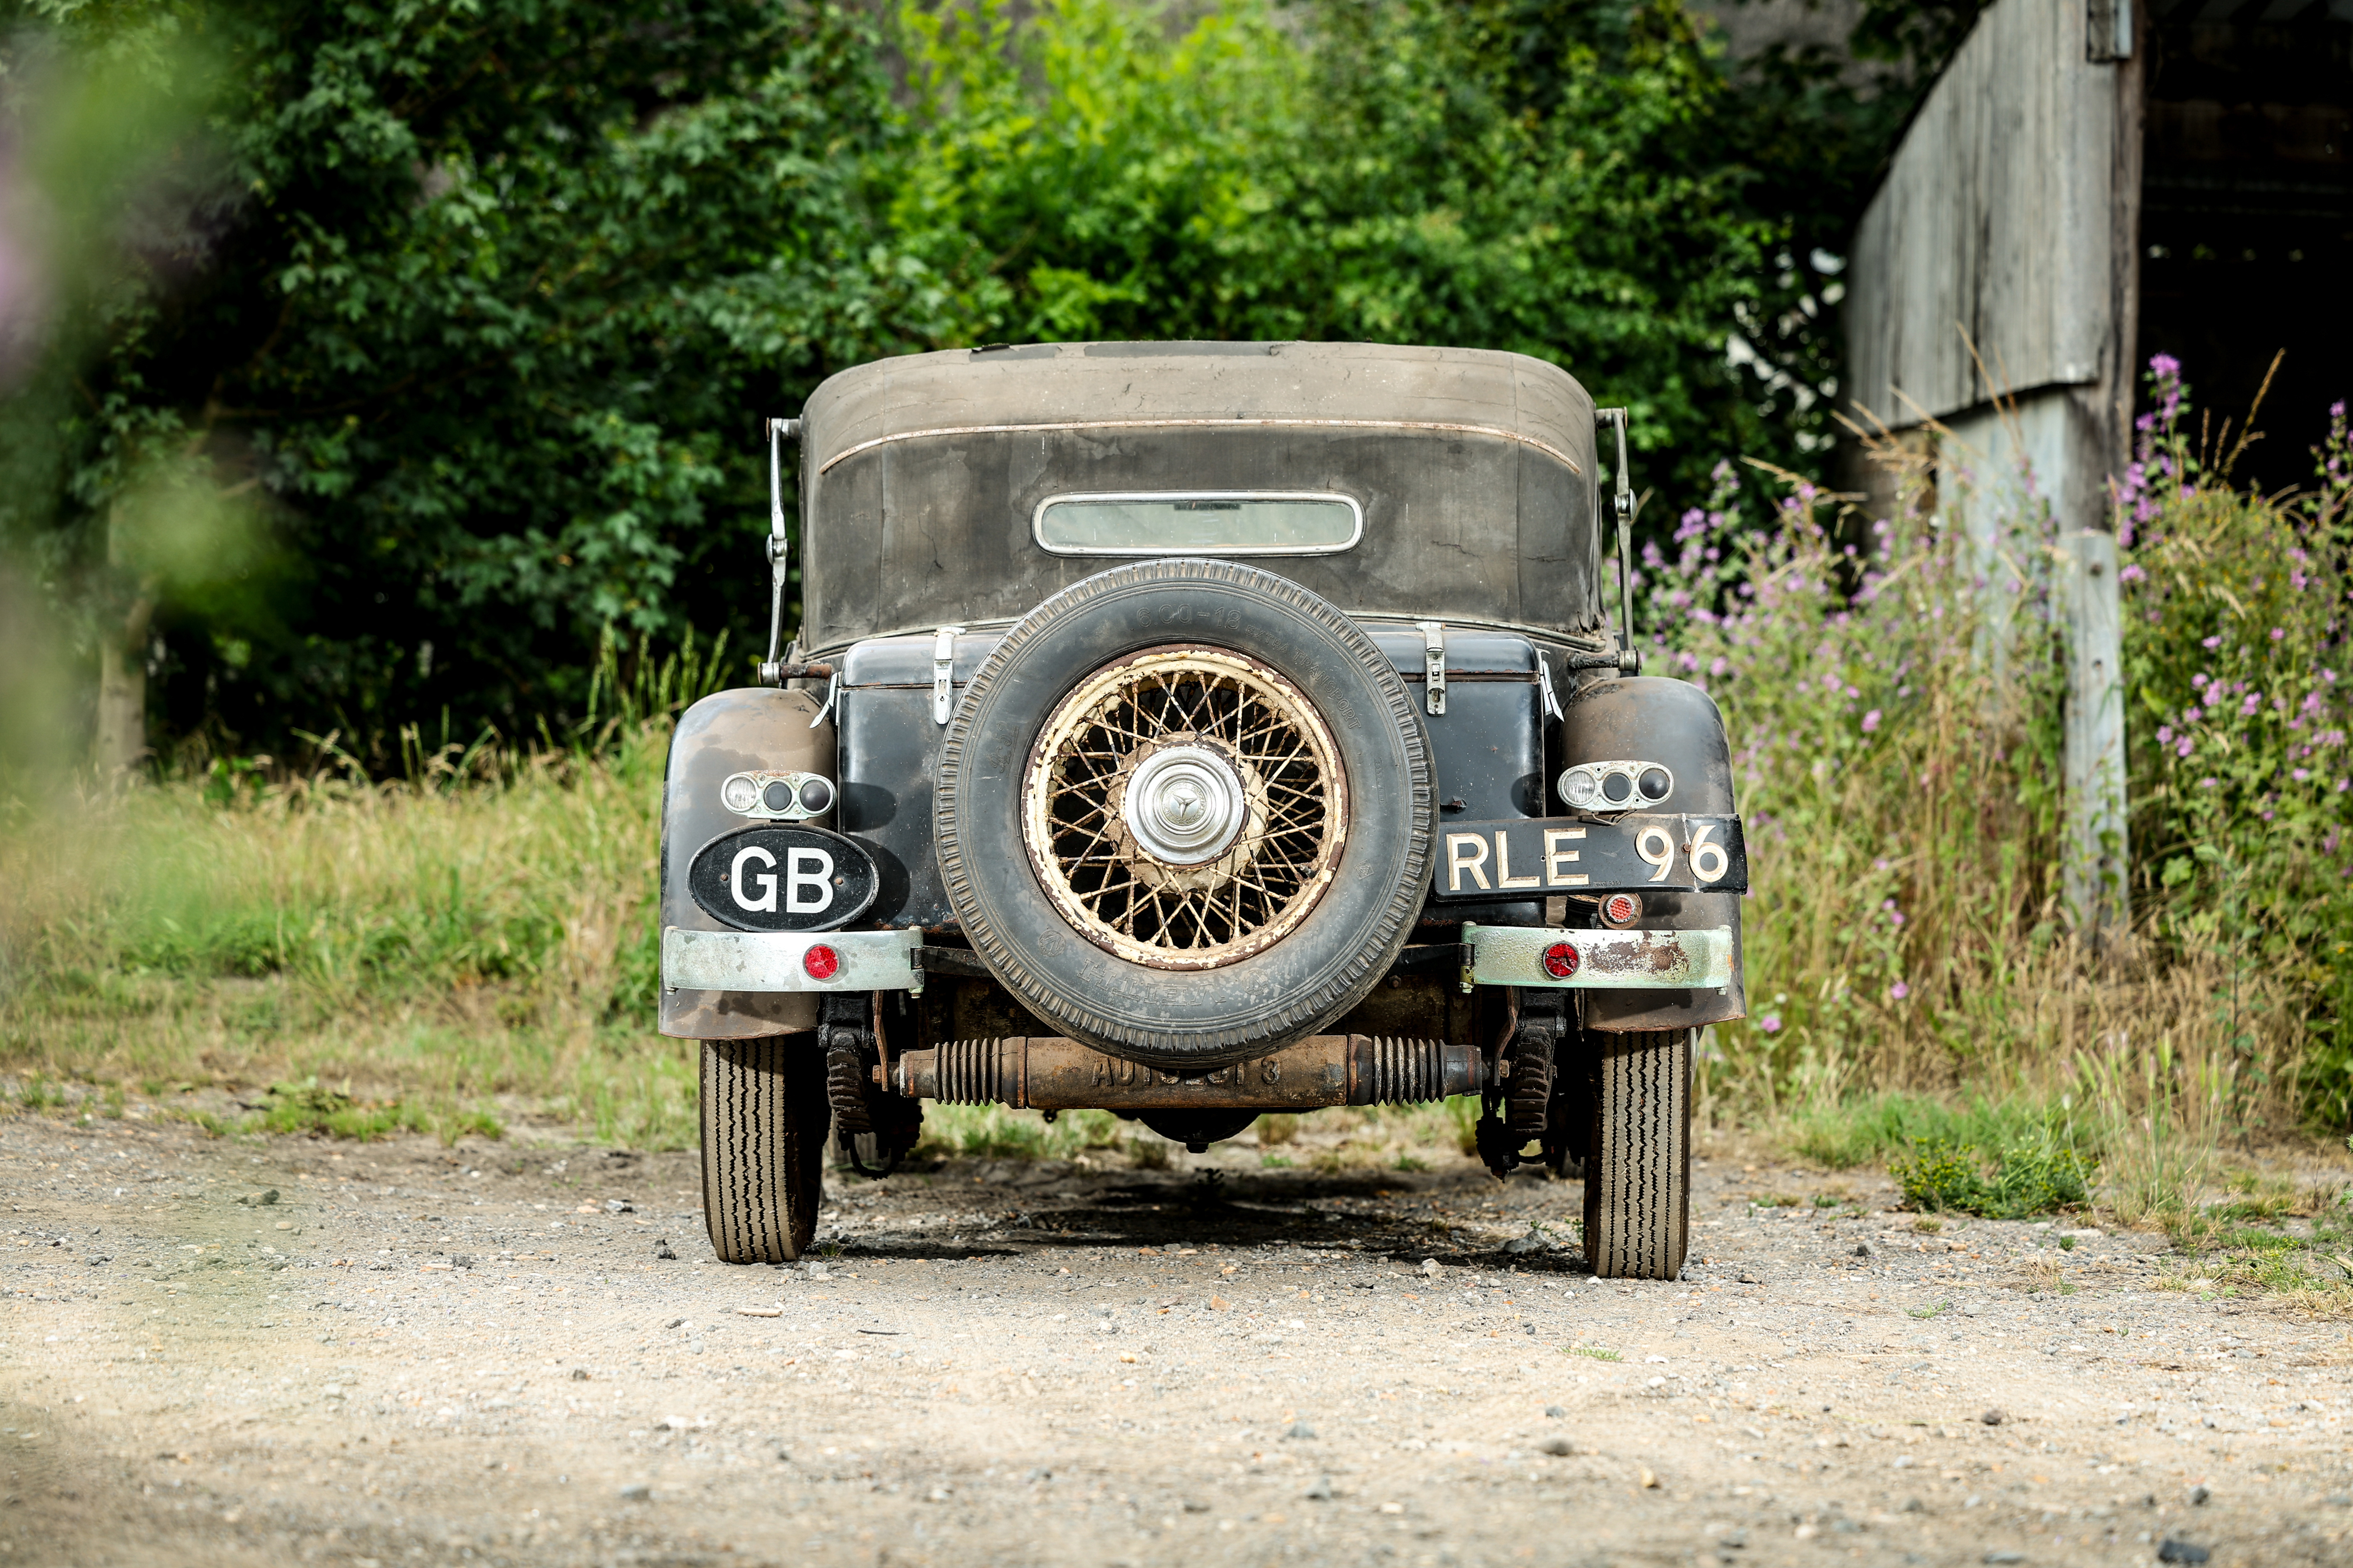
pixel 764 1122
pixel 1638 1173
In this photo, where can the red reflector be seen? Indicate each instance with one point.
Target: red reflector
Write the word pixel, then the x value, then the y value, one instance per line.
pixel 1621 908
pixel 821 961
pixel 1561 961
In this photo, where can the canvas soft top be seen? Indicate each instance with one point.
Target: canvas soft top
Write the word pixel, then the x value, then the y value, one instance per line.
pixel 921 474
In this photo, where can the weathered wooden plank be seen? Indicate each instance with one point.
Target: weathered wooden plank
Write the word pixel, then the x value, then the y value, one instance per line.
pixel 2093 880
pixel 1996 225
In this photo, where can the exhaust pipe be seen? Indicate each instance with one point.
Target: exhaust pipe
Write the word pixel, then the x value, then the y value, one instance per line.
pixel 1050 1073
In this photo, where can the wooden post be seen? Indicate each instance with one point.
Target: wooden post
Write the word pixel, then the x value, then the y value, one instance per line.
pixel 118 740
pixel 2094 878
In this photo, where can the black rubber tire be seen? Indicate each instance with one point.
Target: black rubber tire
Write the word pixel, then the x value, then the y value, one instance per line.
pixel 1638 1169
pixel 765 1121
pixel 1180 1020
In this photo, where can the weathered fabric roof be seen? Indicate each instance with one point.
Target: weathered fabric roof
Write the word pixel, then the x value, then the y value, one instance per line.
pixel 1375 385
pixel 1474 469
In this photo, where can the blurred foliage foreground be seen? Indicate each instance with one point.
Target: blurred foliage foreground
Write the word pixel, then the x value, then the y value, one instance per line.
pixel 483 927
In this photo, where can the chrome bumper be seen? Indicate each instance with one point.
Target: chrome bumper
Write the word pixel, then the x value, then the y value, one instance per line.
pixel 1498 956
pixel 776 960
pixel 1605 960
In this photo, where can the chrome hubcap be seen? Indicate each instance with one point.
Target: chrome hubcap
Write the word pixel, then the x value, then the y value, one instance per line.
pixel 1184 804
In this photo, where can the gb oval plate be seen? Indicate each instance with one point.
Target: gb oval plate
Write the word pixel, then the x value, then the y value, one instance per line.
pixel 781 878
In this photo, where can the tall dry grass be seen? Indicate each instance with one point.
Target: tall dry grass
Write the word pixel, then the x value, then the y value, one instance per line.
pixel 478 933
pixel 1895 689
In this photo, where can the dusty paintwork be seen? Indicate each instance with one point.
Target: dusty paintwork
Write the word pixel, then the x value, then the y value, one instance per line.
pixel 1676 725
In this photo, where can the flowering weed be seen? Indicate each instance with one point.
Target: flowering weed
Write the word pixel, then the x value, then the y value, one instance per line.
pixel 1894 688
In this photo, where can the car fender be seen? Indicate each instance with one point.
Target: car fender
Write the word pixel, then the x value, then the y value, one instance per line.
pixel 747 729
pixel 1678 726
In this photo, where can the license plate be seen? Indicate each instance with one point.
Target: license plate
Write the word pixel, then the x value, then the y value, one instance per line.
pixel 1639 852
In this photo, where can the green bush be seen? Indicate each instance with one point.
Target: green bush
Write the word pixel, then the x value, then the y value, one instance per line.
pixel 2026 1179
pixel 1939 1177
pixel 330 1113
pixel 2032 1179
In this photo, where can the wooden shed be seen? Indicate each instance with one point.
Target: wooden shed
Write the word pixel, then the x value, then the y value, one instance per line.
pixel 2091 181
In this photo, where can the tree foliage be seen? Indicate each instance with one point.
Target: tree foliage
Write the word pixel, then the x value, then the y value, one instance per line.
pixel 457 315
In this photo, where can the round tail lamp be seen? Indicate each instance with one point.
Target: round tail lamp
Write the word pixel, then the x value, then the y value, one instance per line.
pixel 1621 909
pixel 821 961
pixel 1561 961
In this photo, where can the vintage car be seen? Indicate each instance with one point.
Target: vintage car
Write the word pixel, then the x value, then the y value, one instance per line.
pixel 1194 731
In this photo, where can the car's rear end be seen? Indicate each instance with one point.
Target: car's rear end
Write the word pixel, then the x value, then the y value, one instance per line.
pixel 1194 731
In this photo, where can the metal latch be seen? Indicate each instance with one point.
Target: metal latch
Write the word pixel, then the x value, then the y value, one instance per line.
pixel 943 672
pixel 1434 664
pixel 832 690
pixel 1544 683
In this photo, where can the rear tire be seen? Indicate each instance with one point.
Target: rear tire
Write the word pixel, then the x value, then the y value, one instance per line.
pixel 764 1120
pixel 1638 1169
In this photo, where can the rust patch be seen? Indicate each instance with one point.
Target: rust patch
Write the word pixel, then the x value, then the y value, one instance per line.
pixel 1662 953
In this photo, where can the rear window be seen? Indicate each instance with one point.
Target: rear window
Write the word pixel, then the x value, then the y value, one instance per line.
pixel 1156 522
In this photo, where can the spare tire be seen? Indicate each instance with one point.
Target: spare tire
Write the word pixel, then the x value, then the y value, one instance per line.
pixel 1184 812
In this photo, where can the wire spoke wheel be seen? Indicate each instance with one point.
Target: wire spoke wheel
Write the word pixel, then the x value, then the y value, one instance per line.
pixel 1143 835
pixel 1184 807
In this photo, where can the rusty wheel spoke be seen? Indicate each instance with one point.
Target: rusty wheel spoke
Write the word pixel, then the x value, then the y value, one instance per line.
pixel 1221 711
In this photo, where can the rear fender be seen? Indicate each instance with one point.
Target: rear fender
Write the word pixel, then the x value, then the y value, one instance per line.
pixel 746 730
pixel 1676 725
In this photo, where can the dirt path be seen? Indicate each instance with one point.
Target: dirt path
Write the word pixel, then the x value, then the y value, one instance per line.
pixel 420 1355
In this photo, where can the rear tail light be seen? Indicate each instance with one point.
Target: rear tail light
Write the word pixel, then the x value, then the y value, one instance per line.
pixel 821 961
pixel 1620 910
pixel 1559 960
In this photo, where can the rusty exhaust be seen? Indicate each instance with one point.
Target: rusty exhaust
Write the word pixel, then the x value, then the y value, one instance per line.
pixel 1050 1073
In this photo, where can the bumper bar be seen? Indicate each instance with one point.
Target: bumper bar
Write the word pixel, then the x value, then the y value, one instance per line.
pixel 778 960
pixel 1491 955
pixel 1604 960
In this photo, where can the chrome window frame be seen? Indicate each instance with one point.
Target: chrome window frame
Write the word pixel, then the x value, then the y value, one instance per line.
pixel 1355 530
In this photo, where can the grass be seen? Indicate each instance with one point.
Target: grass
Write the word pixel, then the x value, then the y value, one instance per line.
pixel 469 944
pixel 1916 976
pixel 2310 1267
pixel 997 1133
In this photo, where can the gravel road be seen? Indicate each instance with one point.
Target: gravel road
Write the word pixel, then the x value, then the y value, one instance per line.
pixel 490 1354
